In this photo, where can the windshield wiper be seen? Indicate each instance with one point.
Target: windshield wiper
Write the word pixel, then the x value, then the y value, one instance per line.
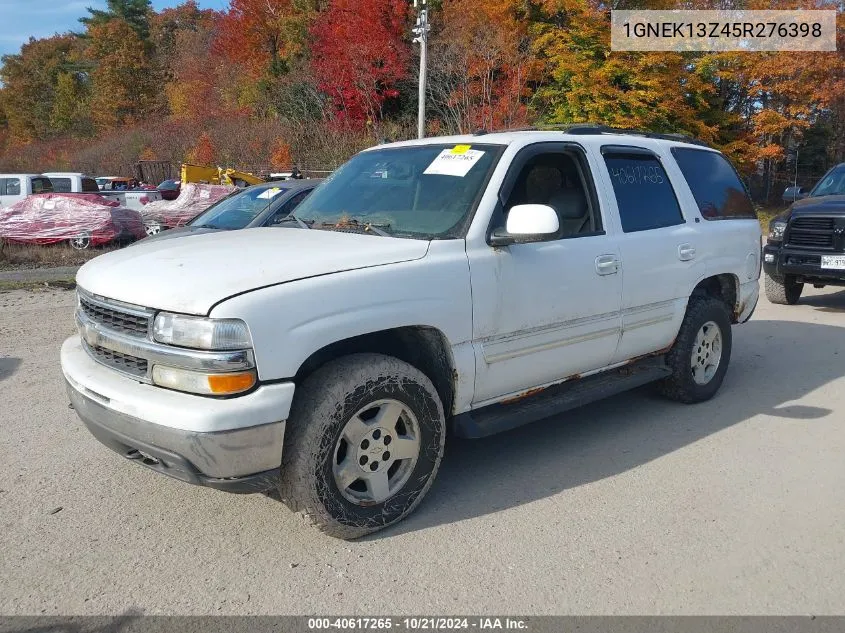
pixel 355 223
pixel 303 224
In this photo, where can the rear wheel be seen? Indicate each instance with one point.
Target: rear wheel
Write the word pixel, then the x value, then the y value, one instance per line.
pixel 783 290
pixel 701 353
pixel 363 444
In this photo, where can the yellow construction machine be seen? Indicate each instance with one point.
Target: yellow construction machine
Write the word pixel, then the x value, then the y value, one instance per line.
pixel 218 176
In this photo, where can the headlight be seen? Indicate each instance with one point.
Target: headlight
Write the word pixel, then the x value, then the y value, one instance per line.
pixel 776 230
pixel 201 333
pixel 202 383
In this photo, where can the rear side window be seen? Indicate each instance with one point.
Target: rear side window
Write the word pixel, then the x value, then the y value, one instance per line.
pixel 715 185
pixel 60 185
pixel 644 195
pixel 42 185
pixel 89 184
pixel 13 187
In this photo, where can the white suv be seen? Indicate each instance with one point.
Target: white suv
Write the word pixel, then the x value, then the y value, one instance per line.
pixel 460 285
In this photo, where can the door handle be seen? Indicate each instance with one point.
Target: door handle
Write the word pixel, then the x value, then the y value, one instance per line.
pixel 607 264
pixel 686 252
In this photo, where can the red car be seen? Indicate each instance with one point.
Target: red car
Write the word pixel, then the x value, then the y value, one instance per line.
pixel 82 220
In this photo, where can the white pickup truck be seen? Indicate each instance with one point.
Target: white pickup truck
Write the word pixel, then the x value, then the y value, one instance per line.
pixel 74 182
pixel 16 187
pixel 460 285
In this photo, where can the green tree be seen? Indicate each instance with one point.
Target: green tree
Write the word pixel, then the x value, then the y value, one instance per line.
pixel 136 13
pixel 71 105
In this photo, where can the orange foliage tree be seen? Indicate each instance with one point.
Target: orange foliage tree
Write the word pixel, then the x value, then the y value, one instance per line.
pixel 204 152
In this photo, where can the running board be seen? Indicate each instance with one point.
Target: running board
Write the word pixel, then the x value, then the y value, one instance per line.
pixel 542 403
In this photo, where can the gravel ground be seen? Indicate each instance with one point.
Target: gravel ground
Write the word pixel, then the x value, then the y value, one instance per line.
pixel 633 505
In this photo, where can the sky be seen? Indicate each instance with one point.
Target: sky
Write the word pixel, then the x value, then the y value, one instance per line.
pixel 42 18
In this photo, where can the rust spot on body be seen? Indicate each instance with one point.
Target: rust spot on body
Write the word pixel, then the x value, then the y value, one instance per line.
pixel 535 390
pixel 524 394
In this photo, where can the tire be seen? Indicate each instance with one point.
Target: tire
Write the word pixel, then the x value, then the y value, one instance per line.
pixel 331 433
pixel 783 290
pixel 81 242
pixel 692 381
pixel 152 228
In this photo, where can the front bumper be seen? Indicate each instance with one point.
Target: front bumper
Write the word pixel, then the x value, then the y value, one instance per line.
pixel 779 261
pixel 232 444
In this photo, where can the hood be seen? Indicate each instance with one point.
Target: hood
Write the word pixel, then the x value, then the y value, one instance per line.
pixel 191 275
pixel 822 205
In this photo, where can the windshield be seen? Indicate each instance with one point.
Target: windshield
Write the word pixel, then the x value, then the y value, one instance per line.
pixel 422 191
pixel 831 184
pixel 239 209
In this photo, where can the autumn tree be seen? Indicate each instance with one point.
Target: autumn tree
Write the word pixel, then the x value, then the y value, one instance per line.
pixel 584 81
pixel 182 37
pixel 264 35
pixel 123 86
pixel 204 153
pixel 360 52
pixel 30 81
pixel 480 65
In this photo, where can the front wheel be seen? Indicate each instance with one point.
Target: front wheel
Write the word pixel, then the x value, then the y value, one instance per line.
pixel 363 444
pixel 152 228
pixel 783 290
pixel 701 353
pixel 81 241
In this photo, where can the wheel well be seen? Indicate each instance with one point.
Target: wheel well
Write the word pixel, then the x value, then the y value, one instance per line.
pixel 425 348
pixel 722 287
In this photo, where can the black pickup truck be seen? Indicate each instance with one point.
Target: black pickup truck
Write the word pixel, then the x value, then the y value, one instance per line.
pixel 807 242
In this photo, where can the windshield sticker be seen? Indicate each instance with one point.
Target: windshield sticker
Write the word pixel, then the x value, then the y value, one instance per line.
pixel 269 193
pixel 454 162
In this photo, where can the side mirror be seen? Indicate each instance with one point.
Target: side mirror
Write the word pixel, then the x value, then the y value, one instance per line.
pixel 527 223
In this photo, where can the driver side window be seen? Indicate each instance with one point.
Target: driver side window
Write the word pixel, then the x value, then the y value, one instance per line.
pixel 287 208
pixel 555 179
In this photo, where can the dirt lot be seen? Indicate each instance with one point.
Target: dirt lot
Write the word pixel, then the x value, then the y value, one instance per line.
pixel 633 505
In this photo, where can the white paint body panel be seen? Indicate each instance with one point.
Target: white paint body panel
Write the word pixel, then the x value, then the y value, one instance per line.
pixel 514 317
pixel 542 312
pixel 290 321
pixel 191 275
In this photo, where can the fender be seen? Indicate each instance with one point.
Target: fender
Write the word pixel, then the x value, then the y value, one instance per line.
pixel 289 322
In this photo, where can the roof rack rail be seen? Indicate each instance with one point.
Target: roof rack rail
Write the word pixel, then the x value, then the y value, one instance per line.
pixel 599 128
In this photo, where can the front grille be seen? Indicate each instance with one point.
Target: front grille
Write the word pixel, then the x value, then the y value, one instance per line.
pixel 121 362
pixel 113 318
pixel 811 233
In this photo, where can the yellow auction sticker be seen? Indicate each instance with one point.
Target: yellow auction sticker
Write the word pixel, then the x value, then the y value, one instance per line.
pixel 461 149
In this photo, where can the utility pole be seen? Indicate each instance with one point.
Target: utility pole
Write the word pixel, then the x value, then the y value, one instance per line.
pixel 421 31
